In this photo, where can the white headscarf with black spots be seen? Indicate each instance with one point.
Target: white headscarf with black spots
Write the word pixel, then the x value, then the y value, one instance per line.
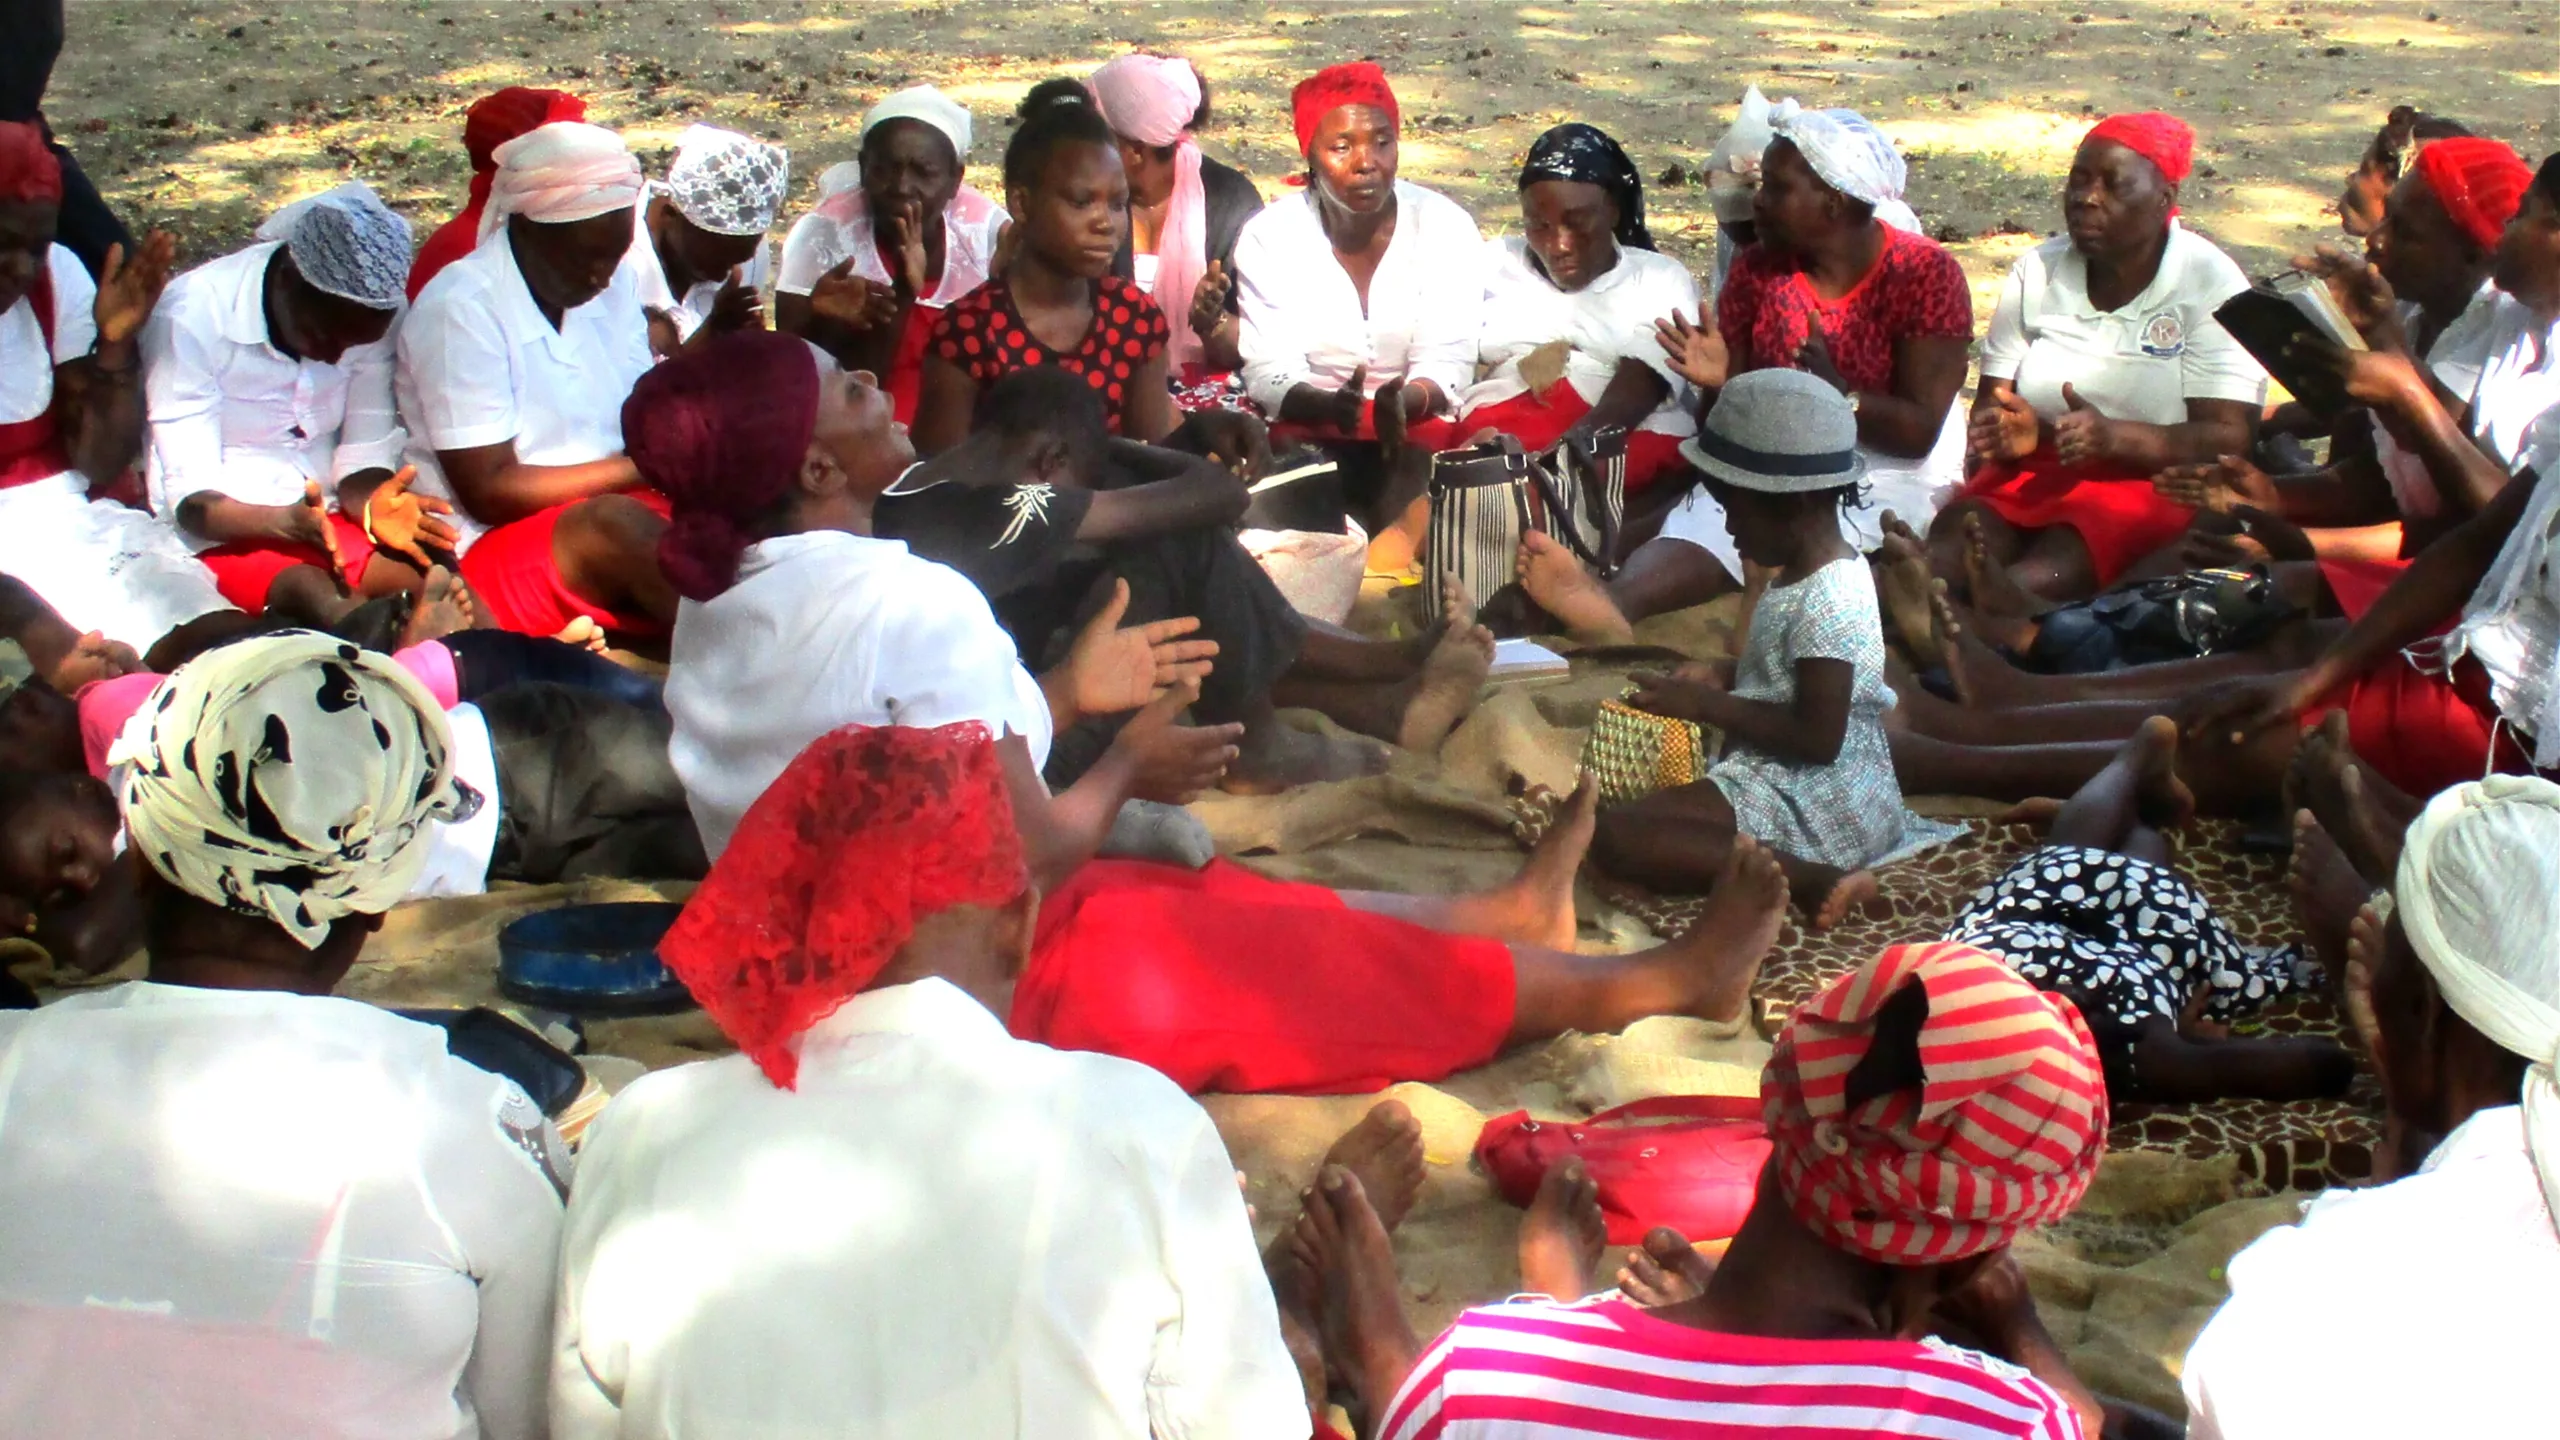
pixel 346 243
pixel 291 777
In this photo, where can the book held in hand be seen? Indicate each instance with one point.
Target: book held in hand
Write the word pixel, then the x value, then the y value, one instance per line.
pixel 2271 314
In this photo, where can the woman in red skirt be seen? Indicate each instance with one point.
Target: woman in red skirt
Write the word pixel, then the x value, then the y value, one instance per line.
pixel 2103 366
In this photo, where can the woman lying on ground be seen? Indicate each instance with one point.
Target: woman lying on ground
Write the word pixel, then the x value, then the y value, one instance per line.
pixel 1842 285
pixel 71 414
pixel 1363 299
pixel 871 267
pixel 1185 212
pixel 2103 366
pixel 1058 304
pixel 1217 977
pixel 1807 769
pixel 266 372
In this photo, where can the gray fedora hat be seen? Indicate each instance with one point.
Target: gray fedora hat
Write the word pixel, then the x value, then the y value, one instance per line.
pixel 1782 432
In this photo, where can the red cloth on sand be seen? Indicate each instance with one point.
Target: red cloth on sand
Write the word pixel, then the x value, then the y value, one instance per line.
pixel 515 578
pixel 2424 732
pixel 1224 980
pixel 2115 512
pixel 245 570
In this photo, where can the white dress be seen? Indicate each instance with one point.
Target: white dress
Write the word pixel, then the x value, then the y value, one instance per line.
pixel 1848 813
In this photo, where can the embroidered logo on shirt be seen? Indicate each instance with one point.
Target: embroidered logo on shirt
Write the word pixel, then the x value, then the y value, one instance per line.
pixel 2164 336
pixel 1030 506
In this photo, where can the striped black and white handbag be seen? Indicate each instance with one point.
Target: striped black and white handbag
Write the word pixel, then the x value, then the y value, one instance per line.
pixel 1483 499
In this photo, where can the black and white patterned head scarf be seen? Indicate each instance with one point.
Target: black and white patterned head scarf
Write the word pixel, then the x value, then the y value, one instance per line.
pixel 292 777
pixel 1576 151
pixel 346 243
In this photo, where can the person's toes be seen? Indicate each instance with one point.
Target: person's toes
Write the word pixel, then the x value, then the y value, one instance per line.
pixel 1385 1150
pixel 1853 893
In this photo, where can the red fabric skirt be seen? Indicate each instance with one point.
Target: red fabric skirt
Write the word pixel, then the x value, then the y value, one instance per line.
pixel 2356 584
pixel 1227 981
pixel 2424 732
pixel 245 570
pixel 2115 513
pixel 515 578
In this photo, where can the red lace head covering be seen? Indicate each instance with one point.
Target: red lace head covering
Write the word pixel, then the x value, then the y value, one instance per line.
pixel 1329 89
pixel 29 174
pixel 2479 182
pixel 2001 1134
pixel 720 431
pixel 870 831
pixel 2164 140
pixel 495 119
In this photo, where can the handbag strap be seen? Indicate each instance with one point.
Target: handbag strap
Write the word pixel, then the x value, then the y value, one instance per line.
pixel 1545 480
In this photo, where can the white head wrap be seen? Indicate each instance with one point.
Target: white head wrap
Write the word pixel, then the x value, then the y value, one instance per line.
pixel 2479 894
pixel 291 777
pixel 1852 157
pixel 554 174
pixel 347 243
pixel 923 102
pixel 727 183
pixel 1733 171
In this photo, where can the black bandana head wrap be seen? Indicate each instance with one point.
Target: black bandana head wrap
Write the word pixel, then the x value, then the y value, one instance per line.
pixel 1581 152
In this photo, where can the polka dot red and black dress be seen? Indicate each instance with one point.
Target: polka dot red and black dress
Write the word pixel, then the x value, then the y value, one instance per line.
pixel 984 335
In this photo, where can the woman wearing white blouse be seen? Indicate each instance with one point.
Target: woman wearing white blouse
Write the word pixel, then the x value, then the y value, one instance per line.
pixel 1361 299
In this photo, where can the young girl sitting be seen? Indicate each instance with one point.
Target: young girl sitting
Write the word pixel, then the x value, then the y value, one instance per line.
pixel 1807 771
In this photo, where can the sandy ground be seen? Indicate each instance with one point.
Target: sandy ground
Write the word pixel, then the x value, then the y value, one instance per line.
pixel 202 117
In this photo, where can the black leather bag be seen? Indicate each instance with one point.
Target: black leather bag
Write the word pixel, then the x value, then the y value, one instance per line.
pixel 1485 498
pixel 2178 617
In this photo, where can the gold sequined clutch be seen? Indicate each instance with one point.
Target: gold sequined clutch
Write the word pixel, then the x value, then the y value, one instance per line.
pixel 1632 753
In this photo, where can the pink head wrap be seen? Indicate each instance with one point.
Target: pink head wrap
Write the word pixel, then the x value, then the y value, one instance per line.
pixel 1151 99
pixel 567 170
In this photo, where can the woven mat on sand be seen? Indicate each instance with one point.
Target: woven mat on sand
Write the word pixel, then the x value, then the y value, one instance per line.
pixel 2304 1144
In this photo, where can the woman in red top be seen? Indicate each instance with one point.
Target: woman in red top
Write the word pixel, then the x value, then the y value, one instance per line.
pixel 1058 302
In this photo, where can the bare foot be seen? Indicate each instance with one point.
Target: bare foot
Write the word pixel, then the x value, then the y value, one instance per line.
pixel 1446 690
pixel 1665 1270
pixel 1983 677
pixel 2366 935
pixel 1273 757
pixel 2327 894
pixel 1722 951
pixel 1563 1234
pixel 1554 577
pixel 1366 1335
pixel 583 632
pixel 1903 586
pixel 1385 1151
pixel 2161 799
pixel 2037 814
pixel 1535 906
pixel 439 605
pixel 1989 586
pixel 1852 892
pixel 2366 822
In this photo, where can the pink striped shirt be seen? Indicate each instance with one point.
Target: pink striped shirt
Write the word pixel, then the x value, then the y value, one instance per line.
pixel 1534 1370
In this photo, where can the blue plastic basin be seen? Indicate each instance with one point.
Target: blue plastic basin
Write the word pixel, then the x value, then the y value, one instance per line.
pixel 591 959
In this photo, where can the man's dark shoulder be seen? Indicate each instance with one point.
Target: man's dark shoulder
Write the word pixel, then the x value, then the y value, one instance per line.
pixel 998 534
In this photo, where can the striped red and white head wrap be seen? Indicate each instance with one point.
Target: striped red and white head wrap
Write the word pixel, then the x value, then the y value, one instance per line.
pixel 2002 1133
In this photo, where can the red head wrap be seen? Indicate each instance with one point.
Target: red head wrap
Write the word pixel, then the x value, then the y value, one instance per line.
pixel 495 119
pixel 720 431
pixel 2164 140
pixel 2002 1134
pixel 2480 183
pixel 1329 89
pixel 28 172
pixel 869 832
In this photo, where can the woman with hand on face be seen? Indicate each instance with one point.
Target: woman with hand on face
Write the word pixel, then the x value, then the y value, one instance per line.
pixel 1185 212
pixel 867 272
pixel 1363 299
pixel 2103 366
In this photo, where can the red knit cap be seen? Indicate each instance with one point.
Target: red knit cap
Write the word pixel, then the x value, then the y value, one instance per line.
pixel 720 431
pixel 2479 182
pixel 870 831
pixel 2164 140
pixel 28 172
pixel 1329 89
pixel 2002 1133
